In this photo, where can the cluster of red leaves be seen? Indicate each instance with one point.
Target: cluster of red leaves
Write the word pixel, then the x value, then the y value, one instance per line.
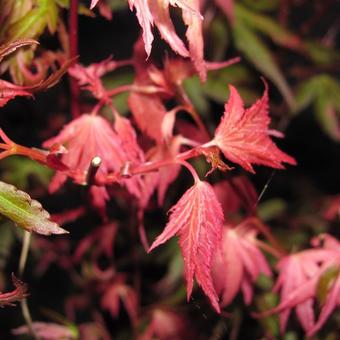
pixel 92 150
pixel 300 280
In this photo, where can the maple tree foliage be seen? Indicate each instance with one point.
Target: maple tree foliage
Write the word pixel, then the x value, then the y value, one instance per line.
pixel 243 135
pixel 301 276
pixel 197 219
pixel 123 130
pixel 239 264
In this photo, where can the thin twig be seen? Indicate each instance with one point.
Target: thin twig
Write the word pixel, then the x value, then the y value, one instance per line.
pixel 22 264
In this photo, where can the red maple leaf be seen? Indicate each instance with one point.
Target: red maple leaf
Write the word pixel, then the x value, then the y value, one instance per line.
pixel 197 219
pixel 244 137
pixel 9 91
pixel 116 291
pixel 47 331
pixel 17 294
pixel 239 264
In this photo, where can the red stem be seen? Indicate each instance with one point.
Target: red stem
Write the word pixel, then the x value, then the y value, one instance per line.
pixel 73 50
pixel 153 166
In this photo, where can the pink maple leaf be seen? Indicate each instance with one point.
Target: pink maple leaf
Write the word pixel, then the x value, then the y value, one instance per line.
pixel 239 264
pixel 89 76
pixel 161 16
pixel 90 136
pixel 118 290
pixel 56 251
pixel 197 219
pixel 333 290
pixel 145 20
pixel 17 294
pixel 93 4
pixel 161 179
pixel 166 324
pixel 194 35
pixel 47 331
pixel 297 282
pixel 9 91
pixel 100 240
pixel 128 139
pixel 86 137
pixel 244 137
pixel 147 109
pixel 332 210
pixel 157 12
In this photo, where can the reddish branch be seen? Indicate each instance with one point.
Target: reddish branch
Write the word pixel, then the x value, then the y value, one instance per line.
pixel 73 46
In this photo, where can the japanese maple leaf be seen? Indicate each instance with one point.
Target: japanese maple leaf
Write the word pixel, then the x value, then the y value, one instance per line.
pixel 119 290
pixel 194 35
pixel 134 154
pixel 86 137
pixel 93 4
pixel 162 179
pixel 332 299
pixel 332 210
pixel 90 136
pixel 148 109
pixel 9 91
pixel 56 252
pixel 197 219
pixel 100 241
pixel 297 282
pixel 166 324
pixel 17 294
pixel 239 264
pixel 157 12
pixel 244 137
pixel 89 77
pixel 47 331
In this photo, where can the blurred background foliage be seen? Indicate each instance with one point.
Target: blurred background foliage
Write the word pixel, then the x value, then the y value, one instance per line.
pixel 292 43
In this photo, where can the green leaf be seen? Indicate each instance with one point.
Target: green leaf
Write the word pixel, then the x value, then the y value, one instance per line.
pixel 323 92
pixel 325 281
pixel 19 170
pixel 257 52
pixel 116 5
pixel 7 238
pixel 267 26
pixel 26 212
pixel 262 5
pixel 218 40
pixel 271 209
pixel 264 302
pixel 81 8
pixel 114 80
pixel 321 54
pixel 216 86
pixel 52 15
pixel 193 89
pixel 34 22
